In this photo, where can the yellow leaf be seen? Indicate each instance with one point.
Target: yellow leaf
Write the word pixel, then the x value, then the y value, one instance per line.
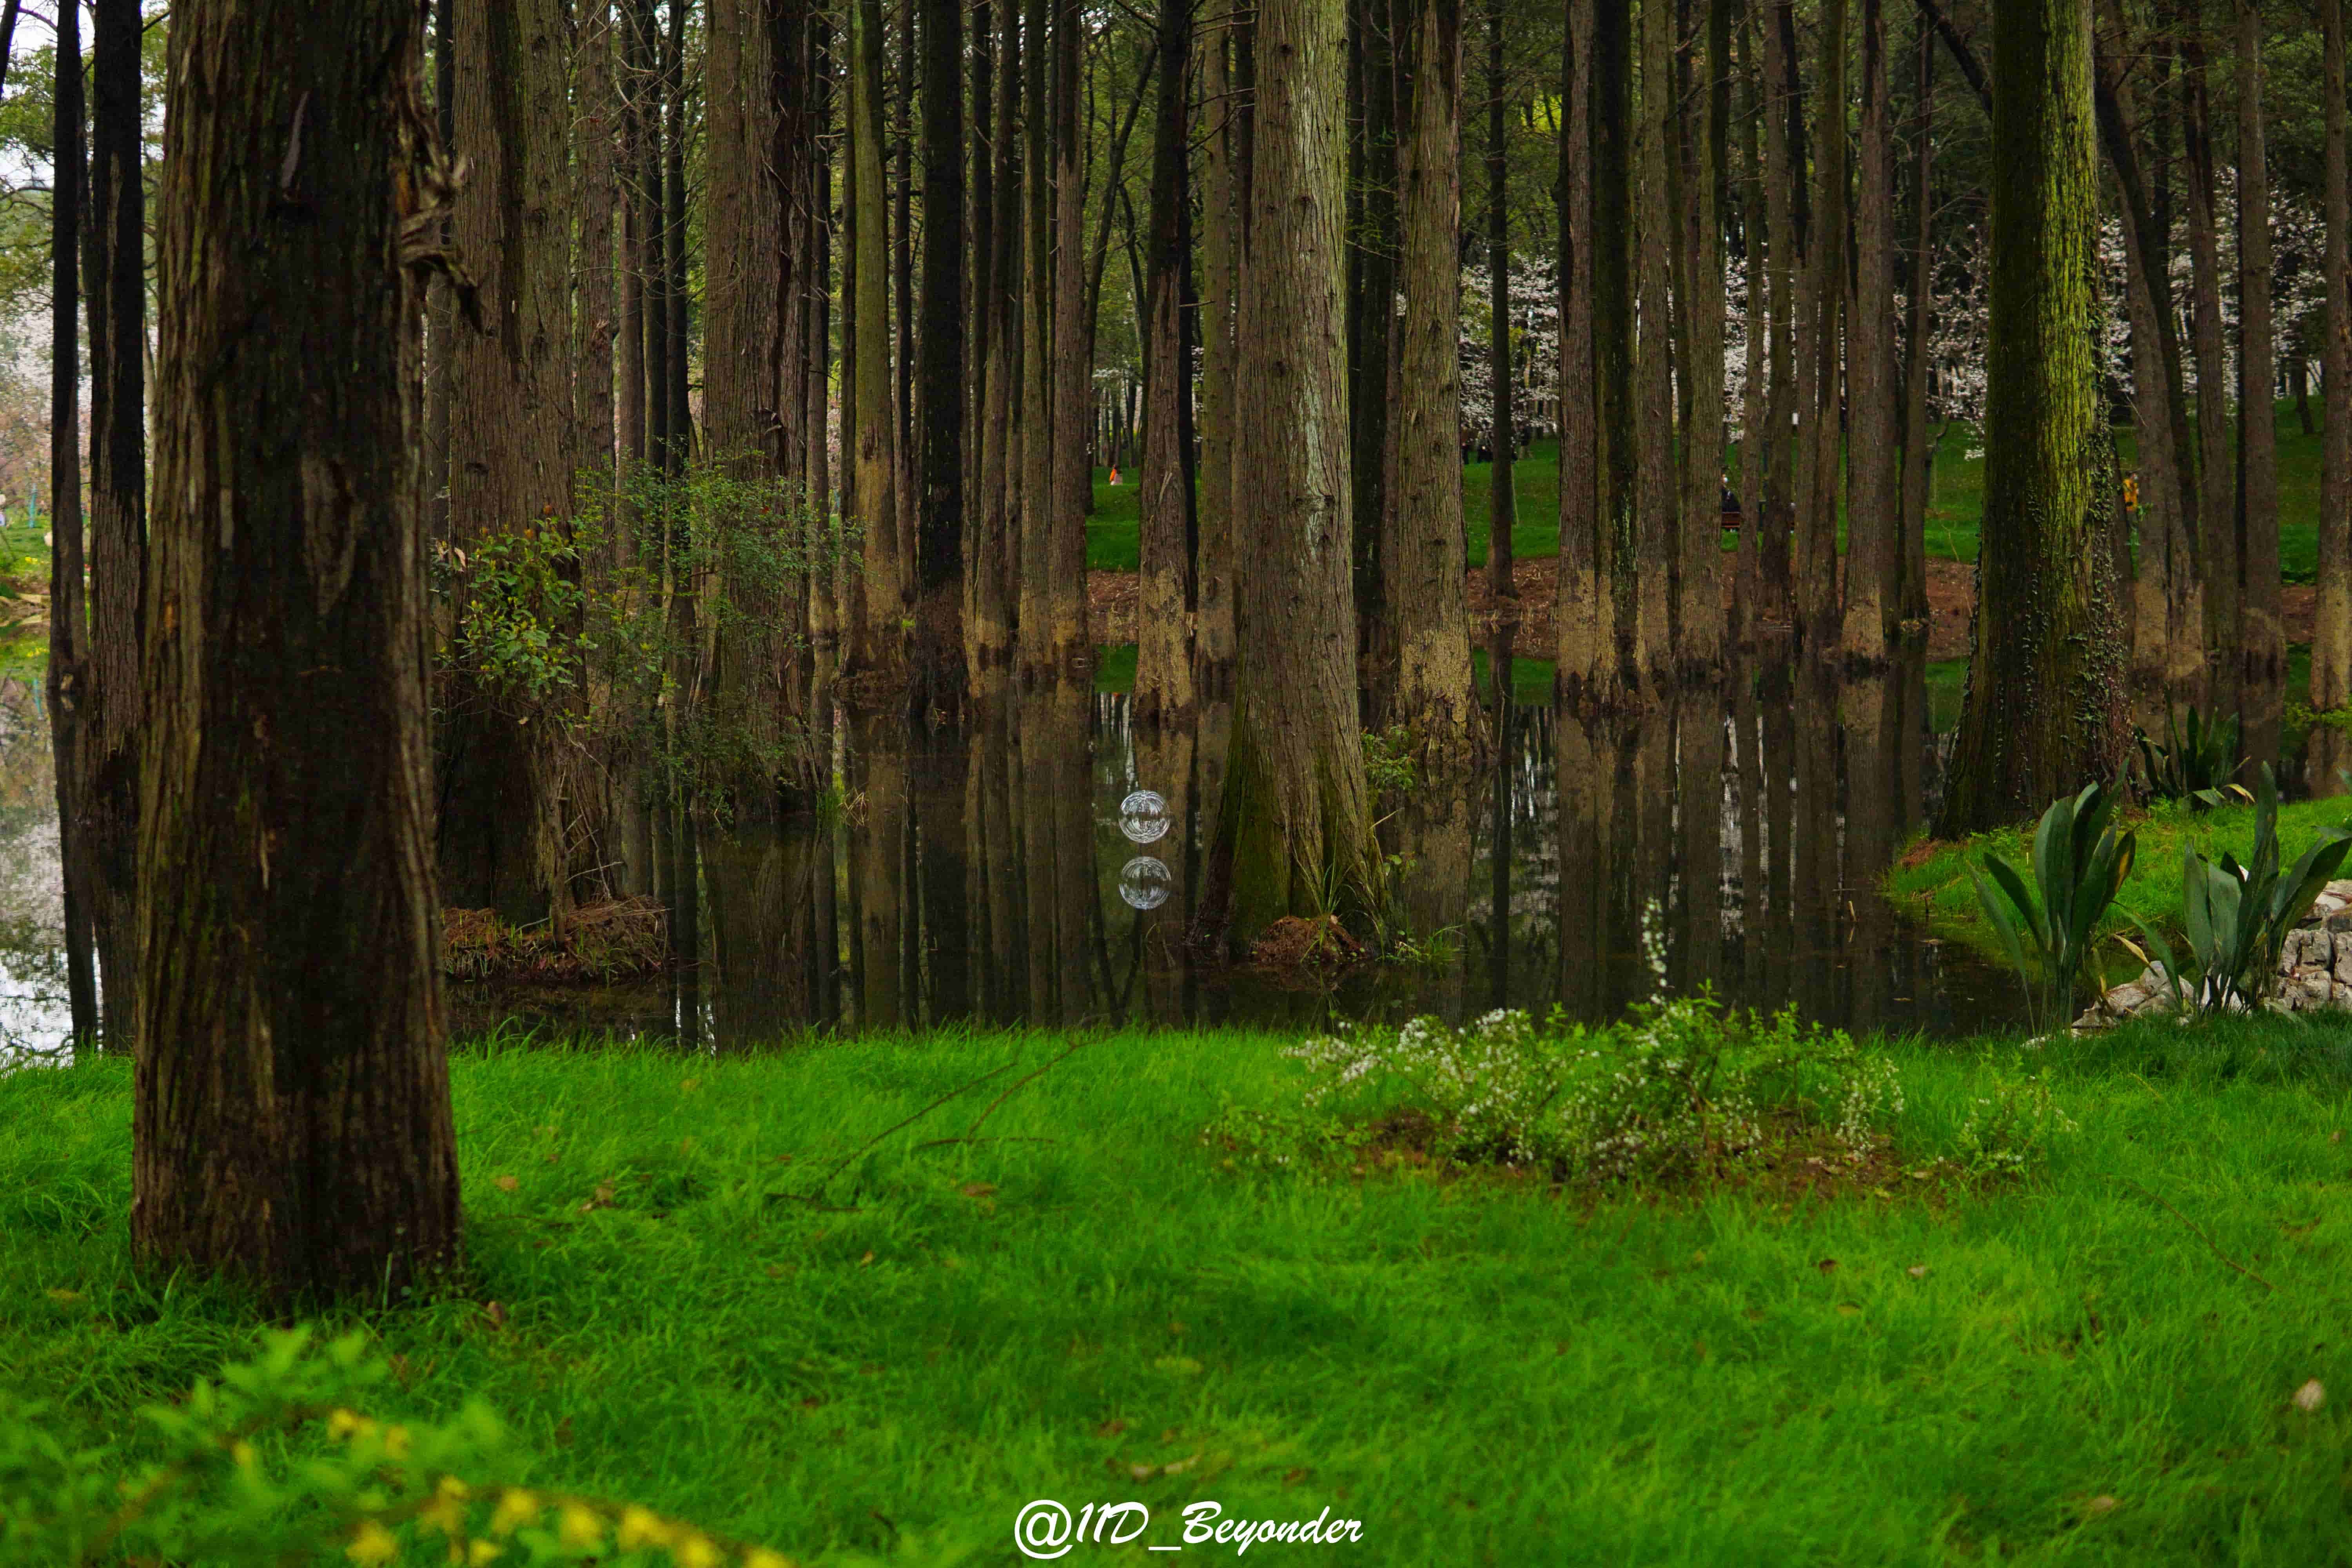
pixel 642 1527
pixel 695 1552
pixel 516 1508
pixel 577 1527
pixel 2311 1395
pixel 506 1184
pixel 371 1546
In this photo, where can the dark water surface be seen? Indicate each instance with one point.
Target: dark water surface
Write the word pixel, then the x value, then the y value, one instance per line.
pixel 999 871
pixel 988 872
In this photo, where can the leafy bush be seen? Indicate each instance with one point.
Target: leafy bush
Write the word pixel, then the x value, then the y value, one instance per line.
pixel 1681 1084
pixel 2238 916
pixel 2195 764
pixel 2079 862
pixel 271 1464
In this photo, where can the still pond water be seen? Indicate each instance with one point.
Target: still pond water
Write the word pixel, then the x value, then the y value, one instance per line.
pixel 1016 870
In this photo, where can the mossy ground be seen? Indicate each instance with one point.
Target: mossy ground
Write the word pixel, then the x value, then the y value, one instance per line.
pixel 1086 1302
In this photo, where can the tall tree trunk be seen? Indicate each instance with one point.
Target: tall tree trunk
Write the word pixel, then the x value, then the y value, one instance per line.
pixel 1068 648
pixel 2045 709
pixel 440 305
pixel 1610 235
pixel 989 565
pixel 1819 331
pixel 1035 419
pixel 743 223
pixel 651 97
pixel 109 697
pixel 593 375
pixel 1658 504
pixel 1372 332
pixel 2331 636
pixel 939 545
pixel 1163 622
pixel 1430 691
pixel 1294 832
pixel 1755 399
pixel 2263 646
pixel 1873 476
pixel 1584 620
pixel 291 1120
pixel 679 303
pixel 1918 438
pixel 1502 492
pixel 1220 222
pixel 510 468
pixel 877 642
pixel 1783 187
pixel 636 227
pixel 1699 611
pixel 2217 517
pixel 69 601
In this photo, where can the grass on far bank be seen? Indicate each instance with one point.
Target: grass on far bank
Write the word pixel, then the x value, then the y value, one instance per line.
pixel 1088 1304
pixel 1955 505
pixel 1932 879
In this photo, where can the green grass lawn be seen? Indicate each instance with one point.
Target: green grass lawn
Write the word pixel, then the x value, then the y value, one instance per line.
pixel 1955 506
pixel 1090 1305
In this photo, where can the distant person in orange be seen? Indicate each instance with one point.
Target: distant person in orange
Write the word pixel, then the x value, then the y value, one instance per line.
pixel 2131 492
pixel 1114 477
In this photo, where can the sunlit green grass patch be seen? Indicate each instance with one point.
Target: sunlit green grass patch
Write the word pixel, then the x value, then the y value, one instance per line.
pixel 717 1295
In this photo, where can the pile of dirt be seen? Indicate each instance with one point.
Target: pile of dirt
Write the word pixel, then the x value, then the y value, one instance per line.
pixel 595 942
pixel 1295 943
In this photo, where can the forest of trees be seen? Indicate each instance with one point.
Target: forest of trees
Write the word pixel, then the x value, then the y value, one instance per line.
pixel 562 409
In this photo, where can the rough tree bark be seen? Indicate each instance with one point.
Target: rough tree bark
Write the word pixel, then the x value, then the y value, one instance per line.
pixel 1034 419
pixel 1502 493
pixel 2262 647
pixel 291 1118
pixel 988 567
pixel 1423 558
pixel 1698 611
pixel 2217 517
pixel 938 542
pixel 1068 648
pixel 509 467
pixel 878 644
pixel 1784 189
pixel 2045 709
pixel 108 695
pixel 1293 834
pixel 1585 626
pixel 68 606
pixel 1657 499
pixel 1821 330
pixel 1220 221
pixel 1372 330
pixel 1873 476
pixel 1755 397
pixel 1163 626
pixel 2331 637
pixel 1918 438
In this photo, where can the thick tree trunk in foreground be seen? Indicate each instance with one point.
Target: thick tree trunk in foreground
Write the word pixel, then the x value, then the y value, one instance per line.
pixel 1372 330
pixel 990 594
pixel 1069 487
pixel 1775 520
pixel 2262 647
pixel 1698 610
pixel 2217 518
pixel 1918 438
pixel 108 696
pixel 1756 317
pixel 1423 557
pixel 1220 222
pixel 1294 829
pixel 1163 629
pixel 1819 377
pixel 2331 638
pixel 2044 710
pixel 1033 419
pixel 291 1120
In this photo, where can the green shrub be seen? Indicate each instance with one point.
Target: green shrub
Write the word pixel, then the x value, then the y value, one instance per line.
pixel 1681 1085
pixel 272 1464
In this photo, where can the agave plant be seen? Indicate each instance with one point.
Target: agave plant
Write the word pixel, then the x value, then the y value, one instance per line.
pixel 2238 916
pixel 2079 862
pixel 2197 762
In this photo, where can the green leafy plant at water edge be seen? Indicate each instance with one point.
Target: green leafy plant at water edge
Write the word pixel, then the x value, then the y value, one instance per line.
pixel 271 1463
pixel 2079 861
pixel 1679 1086
pixel 2195 764
pixel 2238 916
